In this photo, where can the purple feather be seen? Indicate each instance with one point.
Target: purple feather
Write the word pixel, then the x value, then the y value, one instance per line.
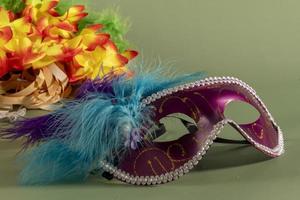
pixel 103 85
pixel 38 128
pixel 34 129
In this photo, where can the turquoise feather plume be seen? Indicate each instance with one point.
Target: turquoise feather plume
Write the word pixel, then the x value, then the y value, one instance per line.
pixel 91 128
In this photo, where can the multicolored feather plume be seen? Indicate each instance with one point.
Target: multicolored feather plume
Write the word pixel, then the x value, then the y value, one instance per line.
pixel 93 127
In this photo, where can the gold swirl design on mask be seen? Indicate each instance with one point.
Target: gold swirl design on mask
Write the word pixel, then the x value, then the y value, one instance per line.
pixel 187 101
pixel 167 99
pixel 196 115
pixel 155 158
pixel 149 162
pixel 260 135
pixel 152 168
pixel 160 164
pixel 183 151
pixel 210 106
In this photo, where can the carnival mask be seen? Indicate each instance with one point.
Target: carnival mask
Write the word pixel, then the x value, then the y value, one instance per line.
pixel 112 125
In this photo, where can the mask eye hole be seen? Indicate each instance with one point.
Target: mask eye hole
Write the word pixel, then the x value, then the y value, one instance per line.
pixel 175 129
pixel 241 112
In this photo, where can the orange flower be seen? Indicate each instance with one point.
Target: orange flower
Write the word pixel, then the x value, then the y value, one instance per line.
pixel 74 14
pixel 21 54
pixel 91 38
pixel 5 35
pixel 97 63
pixel 5 30
pixel 4 68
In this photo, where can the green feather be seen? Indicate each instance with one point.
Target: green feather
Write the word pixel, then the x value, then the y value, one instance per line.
pixel 63 5
pixel 15 6
pixel 114 25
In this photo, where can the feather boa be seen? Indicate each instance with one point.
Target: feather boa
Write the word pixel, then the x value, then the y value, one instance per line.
pixel 73 139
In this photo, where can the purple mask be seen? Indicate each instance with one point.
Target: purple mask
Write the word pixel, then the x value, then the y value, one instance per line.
pixel 205 102
pixel 111 127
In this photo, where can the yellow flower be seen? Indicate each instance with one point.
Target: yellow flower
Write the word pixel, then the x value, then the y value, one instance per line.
pixel 99 62
pixel 22 54
pixel 5 35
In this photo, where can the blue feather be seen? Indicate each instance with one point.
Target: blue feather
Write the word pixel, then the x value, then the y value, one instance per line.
pixel 49 162
pixel 92 128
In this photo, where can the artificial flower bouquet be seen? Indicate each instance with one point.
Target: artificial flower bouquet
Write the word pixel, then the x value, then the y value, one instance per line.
pixel 49 47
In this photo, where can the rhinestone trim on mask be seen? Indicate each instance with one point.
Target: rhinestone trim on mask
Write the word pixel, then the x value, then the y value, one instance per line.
pixel 173 175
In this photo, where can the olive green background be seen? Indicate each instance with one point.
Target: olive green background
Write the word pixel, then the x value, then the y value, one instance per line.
pixel 255 40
